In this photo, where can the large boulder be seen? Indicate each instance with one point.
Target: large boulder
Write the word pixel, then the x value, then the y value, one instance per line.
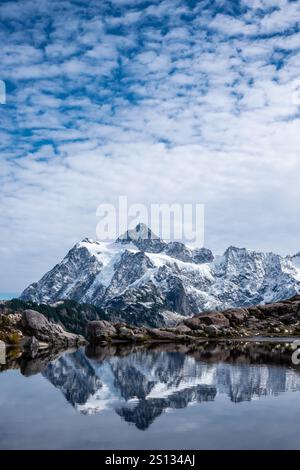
pixel 125 333
pixel 212 330
pixel 237 316
pixel 163 335
pixel 35 324
pixel 193 323
pixel 183 329
pixel 282 309
pixel 214 318
pixel 100 331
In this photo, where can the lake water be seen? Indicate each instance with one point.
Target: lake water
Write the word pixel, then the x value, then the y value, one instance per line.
pixel 213 396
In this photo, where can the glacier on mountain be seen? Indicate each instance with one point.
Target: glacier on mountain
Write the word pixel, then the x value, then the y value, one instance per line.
pixel 149 281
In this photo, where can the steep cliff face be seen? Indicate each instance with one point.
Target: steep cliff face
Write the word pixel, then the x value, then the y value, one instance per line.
pixel 143 280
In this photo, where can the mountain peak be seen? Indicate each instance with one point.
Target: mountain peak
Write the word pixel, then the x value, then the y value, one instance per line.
pixel 87 240
pixel 143 238
pixel 140 232
pixel 134 285
pixel 234 249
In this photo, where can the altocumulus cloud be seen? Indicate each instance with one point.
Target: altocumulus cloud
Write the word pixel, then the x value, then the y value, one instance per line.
pixel 164 101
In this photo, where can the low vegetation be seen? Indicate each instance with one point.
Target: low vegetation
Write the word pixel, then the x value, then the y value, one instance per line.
pixel 69 314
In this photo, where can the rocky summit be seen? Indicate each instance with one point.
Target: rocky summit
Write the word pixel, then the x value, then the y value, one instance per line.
pixel 143 280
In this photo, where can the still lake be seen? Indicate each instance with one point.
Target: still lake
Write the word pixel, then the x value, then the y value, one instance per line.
pixel 213 396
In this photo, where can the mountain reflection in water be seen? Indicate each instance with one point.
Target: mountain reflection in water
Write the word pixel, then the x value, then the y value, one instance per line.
pixel 140 384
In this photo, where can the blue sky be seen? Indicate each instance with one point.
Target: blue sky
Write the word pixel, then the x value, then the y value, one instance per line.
pixel 162 101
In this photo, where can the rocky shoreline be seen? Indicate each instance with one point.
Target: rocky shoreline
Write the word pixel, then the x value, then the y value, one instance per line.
pixel 281 319
pixel 31 331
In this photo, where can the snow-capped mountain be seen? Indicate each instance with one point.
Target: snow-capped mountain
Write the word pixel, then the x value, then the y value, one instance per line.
pixel 143 280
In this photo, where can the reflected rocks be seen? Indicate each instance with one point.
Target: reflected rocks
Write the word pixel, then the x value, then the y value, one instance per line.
pixel 101 353
pixel 234 352
pixel 35 365
pixel 248 352
pixel 17 358
pixel 31 346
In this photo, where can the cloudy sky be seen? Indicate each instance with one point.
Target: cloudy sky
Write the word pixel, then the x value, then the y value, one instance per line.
pixel 160 100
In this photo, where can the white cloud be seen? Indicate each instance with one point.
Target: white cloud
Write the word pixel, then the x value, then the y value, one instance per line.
pixel 232 26
pixel 160 109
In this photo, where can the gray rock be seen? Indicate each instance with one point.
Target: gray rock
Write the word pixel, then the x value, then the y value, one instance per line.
pixel 211 330
pixel 216 319
pixel 99 331
pixel 125 333
pixel 162 335
pixel 213 318
pixel 138 338
pixel 35 324
pixel 237 316
pixel 183 329
pixel 231 323
pixel 192 323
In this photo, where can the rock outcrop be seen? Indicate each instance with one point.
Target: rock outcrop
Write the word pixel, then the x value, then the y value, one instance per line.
pixel 31 331
pixel 36 325
pixel 279 319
